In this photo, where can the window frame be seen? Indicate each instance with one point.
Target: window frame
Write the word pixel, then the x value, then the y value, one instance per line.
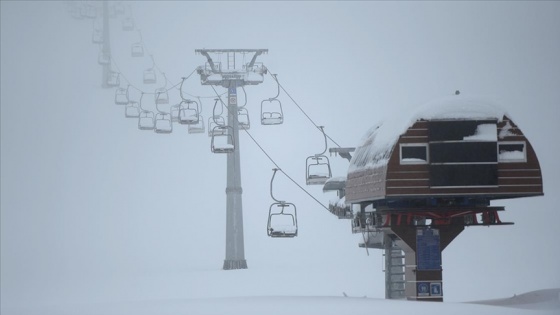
pixel 524 143
pixel 426 147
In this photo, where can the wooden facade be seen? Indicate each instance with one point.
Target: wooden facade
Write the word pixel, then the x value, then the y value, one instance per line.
pixel 445 159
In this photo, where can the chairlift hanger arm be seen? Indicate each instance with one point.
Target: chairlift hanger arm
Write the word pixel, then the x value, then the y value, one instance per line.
pixel 271 181
pixel 278 83
pixel 325 136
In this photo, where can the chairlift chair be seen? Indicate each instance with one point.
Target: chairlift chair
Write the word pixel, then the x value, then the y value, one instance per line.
pixel 146 120
pixel 318 170
pixel 103 58
pixel 90 11
pixel 222 140
pixel 190 114
pixel 213 122
pixel 174 111
pixel 119 8
pixel 318 167
pixel 149 76
pixel 137 50
pixel 271 112
pixel 132 110
pixel 198 127
pixel 128 24
pixel 161 96
pixel 113 79
pixel 97 36
pixel 282 220
pixel 121 96
pixel 243 118
pixel 163 123
pixel 282 216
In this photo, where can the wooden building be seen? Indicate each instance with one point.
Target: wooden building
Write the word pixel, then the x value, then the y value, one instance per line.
pixel 419 182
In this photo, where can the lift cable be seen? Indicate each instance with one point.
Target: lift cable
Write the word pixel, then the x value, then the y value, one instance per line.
pixel 301 109
pixel 272 160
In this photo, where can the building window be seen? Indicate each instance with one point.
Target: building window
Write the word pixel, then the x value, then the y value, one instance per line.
pixel 414 153
pixel 512 152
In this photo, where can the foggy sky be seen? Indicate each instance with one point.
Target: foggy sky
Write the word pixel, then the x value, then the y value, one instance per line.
pixel 87 198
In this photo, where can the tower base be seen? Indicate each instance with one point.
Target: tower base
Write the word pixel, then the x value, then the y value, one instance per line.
pixel 235 264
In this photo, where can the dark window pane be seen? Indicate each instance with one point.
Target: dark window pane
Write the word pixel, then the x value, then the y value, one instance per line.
pixel 455 130
pixel 457 152
pixel 414 152
pixel 464 175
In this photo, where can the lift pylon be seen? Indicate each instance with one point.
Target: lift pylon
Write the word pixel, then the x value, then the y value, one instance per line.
pixel 235 74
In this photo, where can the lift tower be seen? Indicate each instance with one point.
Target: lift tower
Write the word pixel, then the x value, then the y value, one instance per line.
pixel 232 75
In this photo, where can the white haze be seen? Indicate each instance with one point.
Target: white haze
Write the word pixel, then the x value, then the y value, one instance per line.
pixel 94 210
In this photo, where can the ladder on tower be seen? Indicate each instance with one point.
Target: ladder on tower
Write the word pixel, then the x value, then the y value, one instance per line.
pixel 394 271
pixel 231 60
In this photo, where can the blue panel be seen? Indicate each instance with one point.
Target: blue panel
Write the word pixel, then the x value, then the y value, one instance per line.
pixel 428 254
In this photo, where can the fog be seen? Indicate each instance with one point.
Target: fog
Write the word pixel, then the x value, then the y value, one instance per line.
pixel 93 209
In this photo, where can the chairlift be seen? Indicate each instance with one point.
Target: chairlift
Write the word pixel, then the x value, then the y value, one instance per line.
pixel 97 36
pixel 222 140
pixel 113 79
pixel 149 76
pixel 146 118
pixel 161 96
pixel 163 123
pixel 90 11
pixel 137 50
pixel 198 127
pixel 282 217
pixel 103 58
pixel 318 168
pixel 128 24
pixel 119 8
pixel 271 109
pixel 243 118
pixel 150 73
pixel 121 96
pixel 213 122
pixel 132 110
pixel 190 114
pixel 174 111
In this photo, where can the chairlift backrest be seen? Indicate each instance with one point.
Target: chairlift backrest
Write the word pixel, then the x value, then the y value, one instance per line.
pixel 174 111
pixel 213 122
pixel 97 36
pixel 137 50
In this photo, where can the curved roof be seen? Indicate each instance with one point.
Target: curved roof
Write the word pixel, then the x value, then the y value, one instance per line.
pixel 379 141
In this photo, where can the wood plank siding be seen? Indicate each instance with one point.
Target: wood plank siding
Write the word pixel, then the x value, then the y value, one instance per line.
pixel 398 179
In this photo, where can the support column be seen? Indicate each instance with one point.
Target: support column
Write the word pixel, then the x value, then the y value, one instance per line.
pixel 235 252
pixel 106 46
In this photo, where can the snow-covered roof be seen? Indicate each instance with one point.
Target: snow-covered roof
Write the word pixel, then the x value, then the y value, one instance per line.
pixel 378 142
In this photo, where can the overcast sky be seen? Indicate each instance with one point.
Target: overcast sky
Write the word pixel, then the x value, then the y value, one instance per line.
pixel 86 195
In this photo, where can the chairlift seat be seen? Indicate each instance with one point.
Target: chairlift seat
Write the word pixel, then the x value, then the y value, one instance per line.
pixel 272 119
pixel 243 119
pixel 97 37
pixel 149 76
pixel 188 116
pixel 318 170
